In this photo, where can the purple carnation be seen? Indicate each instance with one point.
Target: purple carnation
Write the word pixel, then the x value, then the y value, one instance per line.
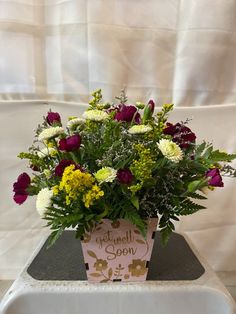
pixel 127 113
pixel 53 117
pixel 124 176
pixel 70 143
pixel 181 134
pixel 215 177
pixel 151 105
pixel 63 164
pixel 19 187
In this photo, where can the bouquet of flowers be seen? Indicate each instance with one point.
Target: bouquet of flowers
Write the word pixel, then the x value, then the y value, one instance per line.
pixel 118 161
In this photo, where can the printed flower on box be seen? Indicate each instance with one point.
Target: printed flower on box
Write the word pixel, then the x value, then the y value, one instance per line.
pixel 137 268
pixel 100 265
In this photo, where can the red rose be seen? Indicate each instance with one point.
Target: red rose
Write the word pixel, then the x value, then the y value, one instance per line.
pixel 181 134
pixel 53 118
pixel 215 177
pixel 70 143
pixel 124 176
pixel 19 187
pixel 127 113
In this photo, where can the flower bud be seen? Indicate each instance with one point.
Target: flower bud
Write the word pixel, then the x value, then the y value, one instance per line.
pixel 53 118
pixel 148 111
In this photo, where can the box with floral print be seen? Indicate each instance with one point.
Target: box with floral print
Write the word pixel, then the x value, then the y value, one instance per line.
pixel 116 251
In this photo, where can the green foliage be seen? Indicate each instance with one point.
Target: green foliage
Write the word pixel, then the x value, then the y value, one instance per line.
pixel 162 116
pixel 196 185
pixel 159 187
pixel 97 97
pixel 188 207
pixel 134 217
pixel 217 156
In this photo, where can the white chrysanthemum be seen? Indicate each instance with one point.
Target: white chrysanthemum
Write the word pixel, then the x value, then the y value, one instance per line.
pixel 44 200
pixel 47 173
pixel 74 122
pixel 140 129
pixel 47 151
pixel 95 115
pixel 170 150
pixel 50 133
pixel 105 174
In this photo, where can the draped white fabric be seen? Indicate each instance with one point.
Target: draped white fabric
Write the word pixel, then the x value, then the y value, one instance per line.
pixel 171 51
pixel 174 50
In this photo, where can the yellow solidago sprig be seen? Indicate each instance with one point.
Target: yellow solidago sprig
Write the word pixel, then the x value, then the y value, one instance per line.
pixel 93 194
pixel 142 167
pixel 79 185
pixel 162 116
pixel 97 97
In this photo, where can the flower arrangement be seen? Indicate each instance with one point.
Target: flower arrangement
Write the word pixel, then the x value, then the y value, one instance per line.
pixel 118 161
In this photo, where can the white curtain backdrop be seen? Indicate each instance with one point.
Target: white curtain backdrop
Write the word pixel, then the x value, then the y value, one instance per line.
pixel 173 50
pixel 54 52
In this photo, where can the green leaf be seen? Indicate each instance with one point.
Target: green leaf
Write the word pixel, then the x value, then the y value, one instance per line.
pixel 197 196
pixel 200 149
pixel 135 201
pixel 188 207
pixel 136 220
pixel 165 235
pixel 196 185
pixel 207 152
pixel 200 167
pixel 171 225
pixel 53 237
pixel 217 156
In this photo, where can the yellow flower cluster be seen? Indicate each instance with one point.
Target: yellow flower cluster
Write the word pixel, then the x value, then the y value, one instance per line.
pixel 76 183
pixel 142 168
pixel 94 194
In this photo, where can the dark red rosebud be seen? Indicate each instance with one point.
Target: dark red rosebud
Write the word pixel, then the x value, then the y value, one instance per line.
pixel 19 187
pixel 151 105
pixel 215 177
pixel 70 143
pixel 181 134
pixel 63 164
pixel 53 117
pixel 127 113
pixel 148 111
pixel 124 176
pixel 34 168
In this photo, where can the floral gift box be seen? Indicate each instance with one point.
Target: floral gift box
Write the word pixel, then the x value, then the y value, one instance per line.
pixel 119 167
